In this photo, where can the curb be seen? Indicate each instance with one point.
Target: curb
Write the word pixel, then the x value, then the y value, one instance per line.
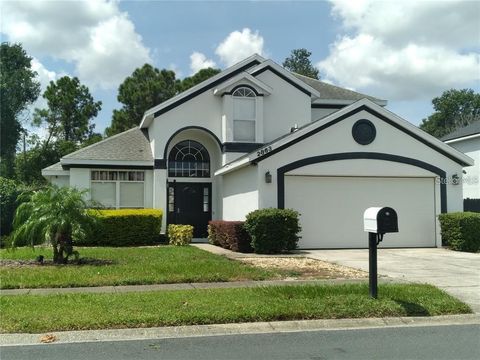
pixel 84 336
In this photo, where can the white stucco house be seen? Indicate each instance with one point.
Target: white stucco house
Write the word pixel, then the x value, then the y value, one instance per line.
pixel 467 140
pixel 257 136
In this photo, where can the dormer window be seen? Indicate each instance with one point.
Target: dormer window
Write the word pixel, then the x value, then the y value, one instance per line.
pixel 244 114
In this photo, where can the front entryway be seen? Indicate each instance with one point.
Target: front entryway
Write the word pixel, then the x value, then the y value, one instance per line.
pixel 190 204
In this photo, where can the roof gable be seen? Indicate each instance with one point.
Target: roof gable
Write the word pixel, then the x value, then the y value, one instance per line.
pixel 313 128
pixel 199 89
pixel 242 79
pixel 254 65
pixel 285 75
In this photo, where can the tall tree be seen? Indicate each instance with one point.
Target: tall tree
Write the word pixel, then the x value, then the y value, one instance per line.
pixel 453 109
pixel 199 77
pixel 71 108
pixel 29 164
pixel 299 62
pixel 145 88
pixel 18 89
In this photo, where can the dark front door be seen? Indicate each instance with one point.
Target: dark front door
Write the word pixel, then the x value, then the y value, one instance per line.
pixel 190 204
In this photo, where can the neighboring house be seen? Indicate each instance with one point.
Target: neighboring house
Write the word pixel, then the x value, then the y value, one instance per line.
pixel 257 136
pixel 467 140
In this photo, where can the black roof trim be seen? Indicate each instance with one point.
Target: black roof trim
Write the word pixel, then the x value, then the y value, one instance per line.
pixel 350 113
pixel 280 75
pixel 328 106
pixel 358 155
pixel 205 88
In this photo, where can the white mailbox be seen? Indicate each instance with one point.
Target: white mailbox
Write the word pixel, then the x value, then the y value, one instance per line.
pixel 380 220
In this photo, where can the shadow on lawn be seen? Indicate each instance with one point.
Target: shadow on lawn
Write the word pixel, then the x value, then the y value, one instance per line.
pixel 413 309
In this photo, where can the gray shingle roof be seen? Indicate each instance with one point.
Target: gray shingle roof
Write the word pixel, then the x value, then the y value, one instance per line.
pixel 332 92
pixel 471 129
pixel 130 145
pixel 55 167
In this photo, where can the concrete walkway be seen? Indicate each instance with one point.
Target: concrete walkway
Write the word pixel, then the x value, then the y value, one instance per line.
pixel 182 286
pixel 458 273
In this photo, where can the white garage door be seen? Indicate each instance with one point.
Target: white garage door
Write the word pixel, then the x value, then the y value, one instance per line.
pixel 332 209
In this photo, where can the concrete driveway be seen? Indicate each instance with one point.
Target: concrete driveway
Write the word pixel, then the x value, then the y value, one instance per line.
pixel 458 273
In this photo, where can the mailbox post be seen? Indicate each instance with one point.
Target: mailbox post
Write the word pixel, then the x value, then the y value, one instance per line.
pixel 377 221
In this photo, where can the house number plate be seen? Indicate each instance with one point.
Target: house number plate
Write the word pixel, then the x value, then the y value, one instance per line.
pixel 264 151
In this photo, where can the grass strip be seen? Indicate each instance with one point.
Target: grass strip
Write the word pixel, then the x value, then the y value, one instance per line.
pixel 127 266
pixel 33 313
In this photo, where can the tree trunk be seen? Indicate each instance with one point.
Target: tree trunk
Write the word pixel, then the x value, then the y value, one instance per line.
pixel 58 249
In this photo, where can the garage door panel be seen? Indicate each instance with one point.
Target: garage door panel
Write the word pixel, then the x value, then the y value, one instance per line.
pixel 332 209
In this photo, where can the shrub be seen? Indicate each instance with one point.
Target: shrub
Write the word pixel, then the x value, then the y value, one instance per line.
pixel 126 227
pixel 9 191
pixel 229 235
pixel 55 215
pixel 180 234
pixel 461 231
pixel 212 233
pixel 273 230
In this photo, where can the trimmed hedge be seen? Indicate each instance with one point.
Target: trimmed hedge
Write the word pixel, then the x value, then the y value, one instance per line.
pixel 461 231
pixel 125 227
pixel 180 234
pixel 229 235
pixel 273 230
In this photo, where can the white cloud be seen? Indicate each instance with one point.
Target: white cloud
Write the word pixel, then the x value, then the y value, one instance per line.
pixel 95 36
pixel 44 76
pixel 405 50
pixel 239 45
pixel 199 61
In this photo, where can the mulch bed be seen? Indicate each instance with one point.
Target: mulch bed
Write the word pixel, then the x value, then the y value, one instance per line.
pixel 73 262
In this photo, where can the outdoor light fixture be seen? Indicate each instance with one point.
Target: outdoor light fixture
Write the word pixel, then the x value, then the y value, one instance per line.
pixel 455 179
pixel 268 177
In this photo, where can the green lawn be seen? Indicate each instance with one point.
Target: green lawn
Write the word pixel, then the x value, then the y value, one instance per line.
pixel 129 266
pixel 36 313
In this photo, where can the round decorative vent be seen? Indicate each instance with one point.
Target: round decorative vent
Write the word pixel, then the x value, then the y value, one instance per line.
pixel 364 132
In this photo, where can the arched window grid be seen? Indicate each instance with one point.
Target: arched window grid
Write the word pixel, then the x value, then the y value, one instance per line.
pixel 189 159
pixel 243 92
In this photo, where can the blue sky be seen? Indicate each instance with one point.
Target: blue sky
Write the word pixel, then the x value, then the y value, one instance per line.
pixel 405 52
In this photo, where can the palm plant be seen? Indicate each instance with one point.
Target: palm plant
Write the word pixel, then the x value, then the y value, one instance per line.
pixel 55 215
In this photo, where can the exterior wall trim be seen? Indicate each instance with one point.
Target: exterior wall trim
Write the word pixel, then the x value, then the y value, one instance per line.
pixel 350 113
pixel 240 147
pixel 100 166
pixel 193 127
pixel 240 86
pixel 359 155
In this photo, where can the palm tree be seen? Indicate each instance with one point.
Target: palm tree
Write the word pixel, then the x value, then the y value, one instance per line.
pixel 55 215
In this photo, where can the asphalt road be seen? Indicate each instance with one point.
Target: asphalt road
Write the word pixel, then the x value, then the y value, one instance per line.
pixel 436 342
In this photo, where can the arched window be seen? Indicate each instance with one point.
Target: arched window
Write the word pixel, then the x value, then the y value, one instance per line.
pixel 189 159
pixel 244 114
pixel 244 92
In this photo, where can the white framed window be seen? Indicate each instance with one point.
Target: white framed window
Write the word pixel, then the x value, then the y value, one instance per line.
pixel 118 189
pixel 244 114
